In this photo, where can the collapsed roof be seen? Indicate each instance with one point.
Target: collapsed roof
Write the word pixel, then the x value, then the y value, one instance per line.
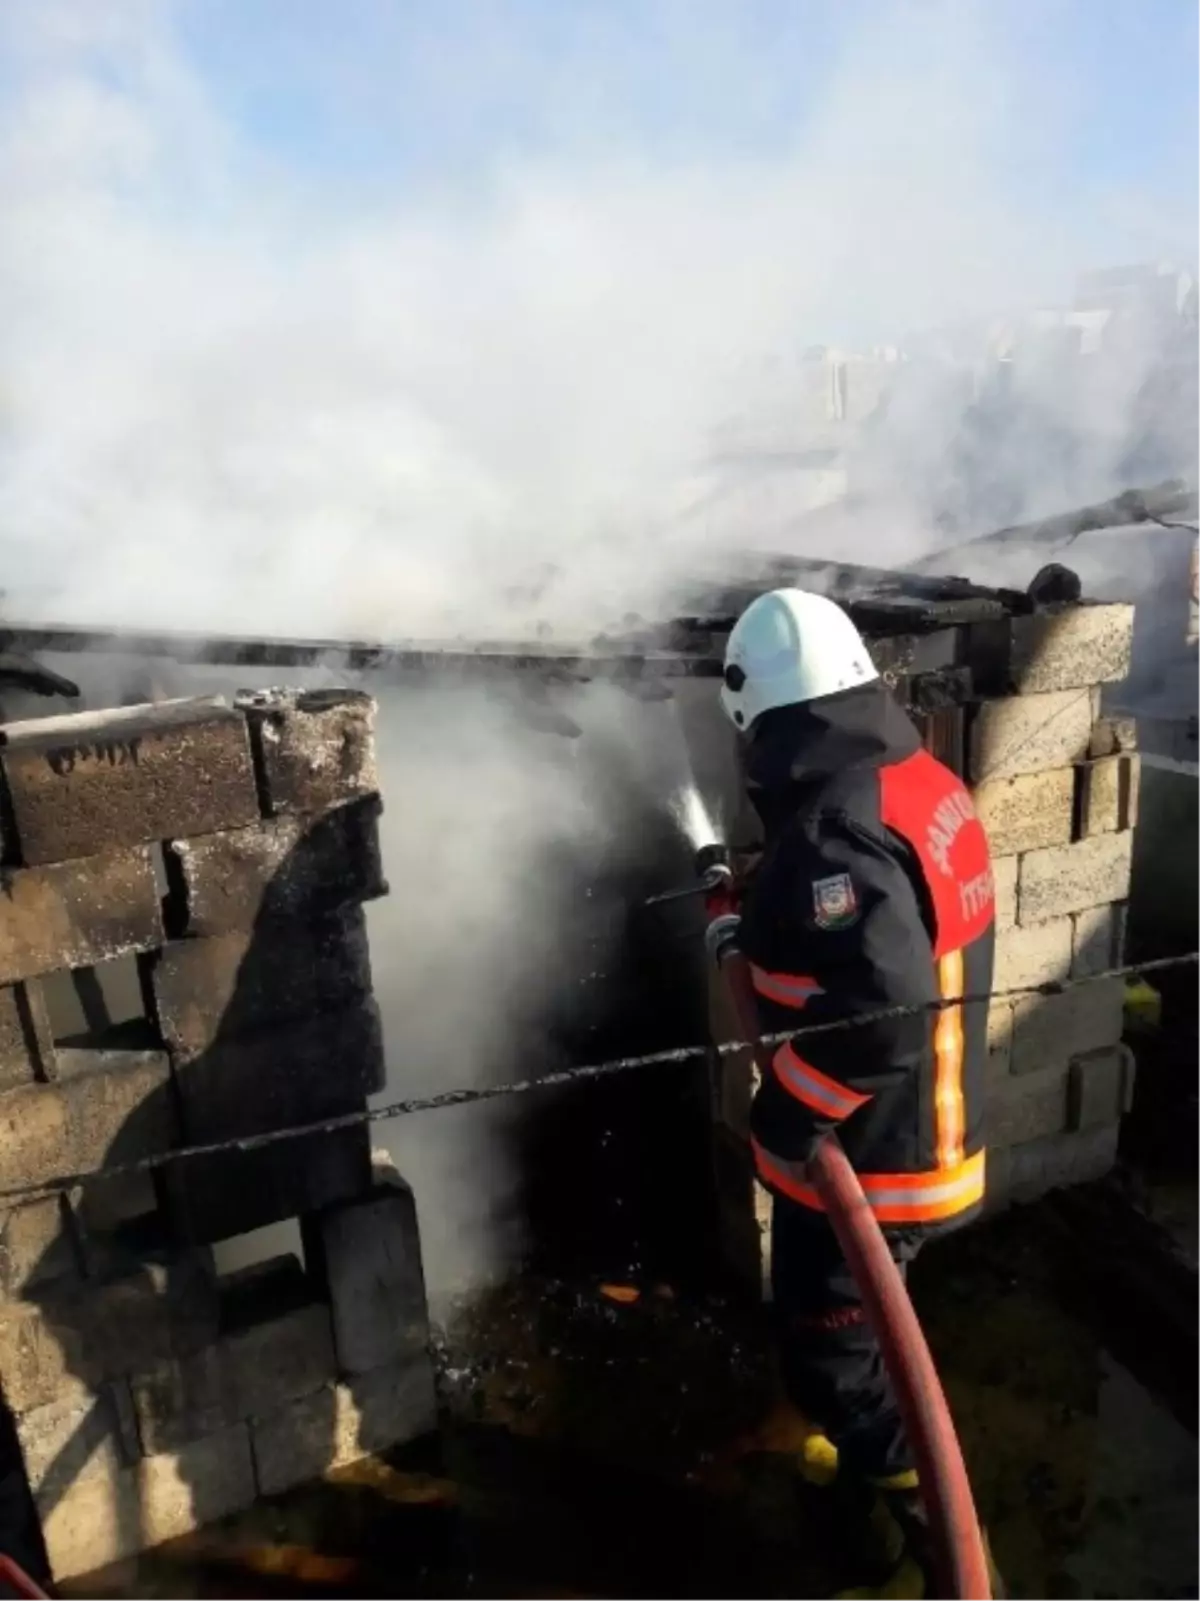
pixel 882 601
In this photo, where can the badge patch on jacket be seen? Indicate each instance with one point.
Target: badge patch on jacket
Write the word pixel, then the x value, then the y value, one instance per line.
pixel 835 904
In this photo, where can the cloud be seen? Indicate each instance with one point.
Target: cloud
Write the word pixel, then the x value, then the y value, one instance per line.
pixel 231 399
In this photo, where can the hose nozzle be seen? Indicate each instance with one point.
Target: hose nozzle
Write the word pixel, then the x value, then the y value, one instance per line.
pixel 713 866
pixel 713 870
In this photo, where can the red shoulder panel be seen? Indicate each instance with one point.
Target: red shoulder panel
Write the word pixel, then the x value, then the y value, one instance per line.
pixel 923 802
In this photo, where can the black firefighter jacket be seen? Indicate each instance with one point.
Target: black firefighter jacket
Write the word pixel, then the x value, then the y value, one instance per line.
pixel 874 890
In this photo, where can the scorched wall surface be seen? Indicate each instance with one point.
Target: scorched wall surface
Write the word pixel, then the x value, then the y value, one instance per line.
pixel 219 855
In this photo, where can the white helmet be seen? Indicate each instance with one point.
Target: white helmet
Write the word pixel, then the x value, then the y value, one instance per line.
pixel 788 647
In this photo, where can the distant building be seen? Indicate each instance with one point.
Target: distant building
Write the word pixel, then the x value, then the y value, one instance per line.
pixel 981 423
pixel 1162 290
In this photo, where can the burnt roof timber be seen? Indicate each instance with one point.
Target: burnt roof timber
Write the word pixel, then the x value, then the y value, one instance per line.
pixel 200 649
pixel 880 601
pixel 1173 499
pixel 844 581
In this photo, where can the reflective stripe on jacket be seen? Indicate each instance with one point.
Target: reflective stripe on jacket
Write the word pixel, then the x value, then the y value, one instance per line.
pixel 874 891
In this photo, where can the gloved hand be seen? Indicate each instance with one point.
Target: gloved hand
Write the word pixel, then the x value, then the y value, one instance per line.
pixel 720 936
pixel 721 910
pixel 782 1126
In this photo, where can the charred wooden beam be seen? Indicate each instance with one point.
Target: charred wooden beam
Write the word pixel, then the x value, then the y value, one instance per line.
pixel 16 673
pixel 853 585
pixel 605 659
pixel 1158 504
pixel 883 603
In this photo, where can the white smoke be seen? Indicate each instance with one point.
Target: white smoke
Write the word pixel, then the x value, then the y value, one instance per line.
pixel 239 393
pixel 230 397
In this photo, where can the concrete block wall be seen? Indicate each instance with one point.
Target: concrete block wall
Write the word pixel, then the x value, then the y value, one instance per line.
pixel 1056 784
pixel 224 852
pixel 1013 703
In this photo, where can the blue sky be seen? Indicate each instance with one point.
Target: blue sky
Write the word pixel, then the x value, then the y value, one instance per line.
pixel 431 280
pixel 366 92
pixel 429 85
pixel 367 102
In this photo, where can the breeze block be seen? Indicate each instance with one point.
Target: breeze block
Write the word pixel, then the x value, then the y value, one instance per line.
pixel 205 863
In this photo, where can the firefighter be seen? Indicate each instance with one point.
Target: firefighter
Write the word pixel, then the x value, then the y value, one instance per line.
pixel 874 890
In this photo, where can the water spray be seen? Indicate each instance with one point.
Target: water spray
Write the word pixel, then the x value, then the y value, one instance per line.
pixel 693 816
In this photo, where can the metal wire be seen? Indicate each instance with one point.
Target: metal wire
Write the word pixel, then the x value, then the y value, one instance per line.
pixel 560 1079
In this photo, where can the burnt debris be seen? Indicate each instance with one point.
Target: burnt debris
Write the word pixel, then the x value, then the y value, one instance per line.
pixel 883 604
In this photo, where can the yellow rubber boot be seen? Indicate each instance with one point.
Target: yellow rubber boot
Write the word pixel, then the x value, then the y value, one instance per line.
pixel 818 1459
pixel 909 1578
pixel 906 1579
pixel 785 1432
pixel 899 1546
pixel 881 1554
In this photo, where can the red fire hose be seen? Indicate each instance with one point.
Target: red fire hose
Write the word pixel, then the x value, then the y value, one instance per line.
pixel 958 1549
pixel 18 1581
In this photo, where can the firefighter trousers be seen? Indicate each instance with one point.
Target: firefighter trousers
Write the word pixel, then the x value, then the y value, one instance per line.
pixel 831 1362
